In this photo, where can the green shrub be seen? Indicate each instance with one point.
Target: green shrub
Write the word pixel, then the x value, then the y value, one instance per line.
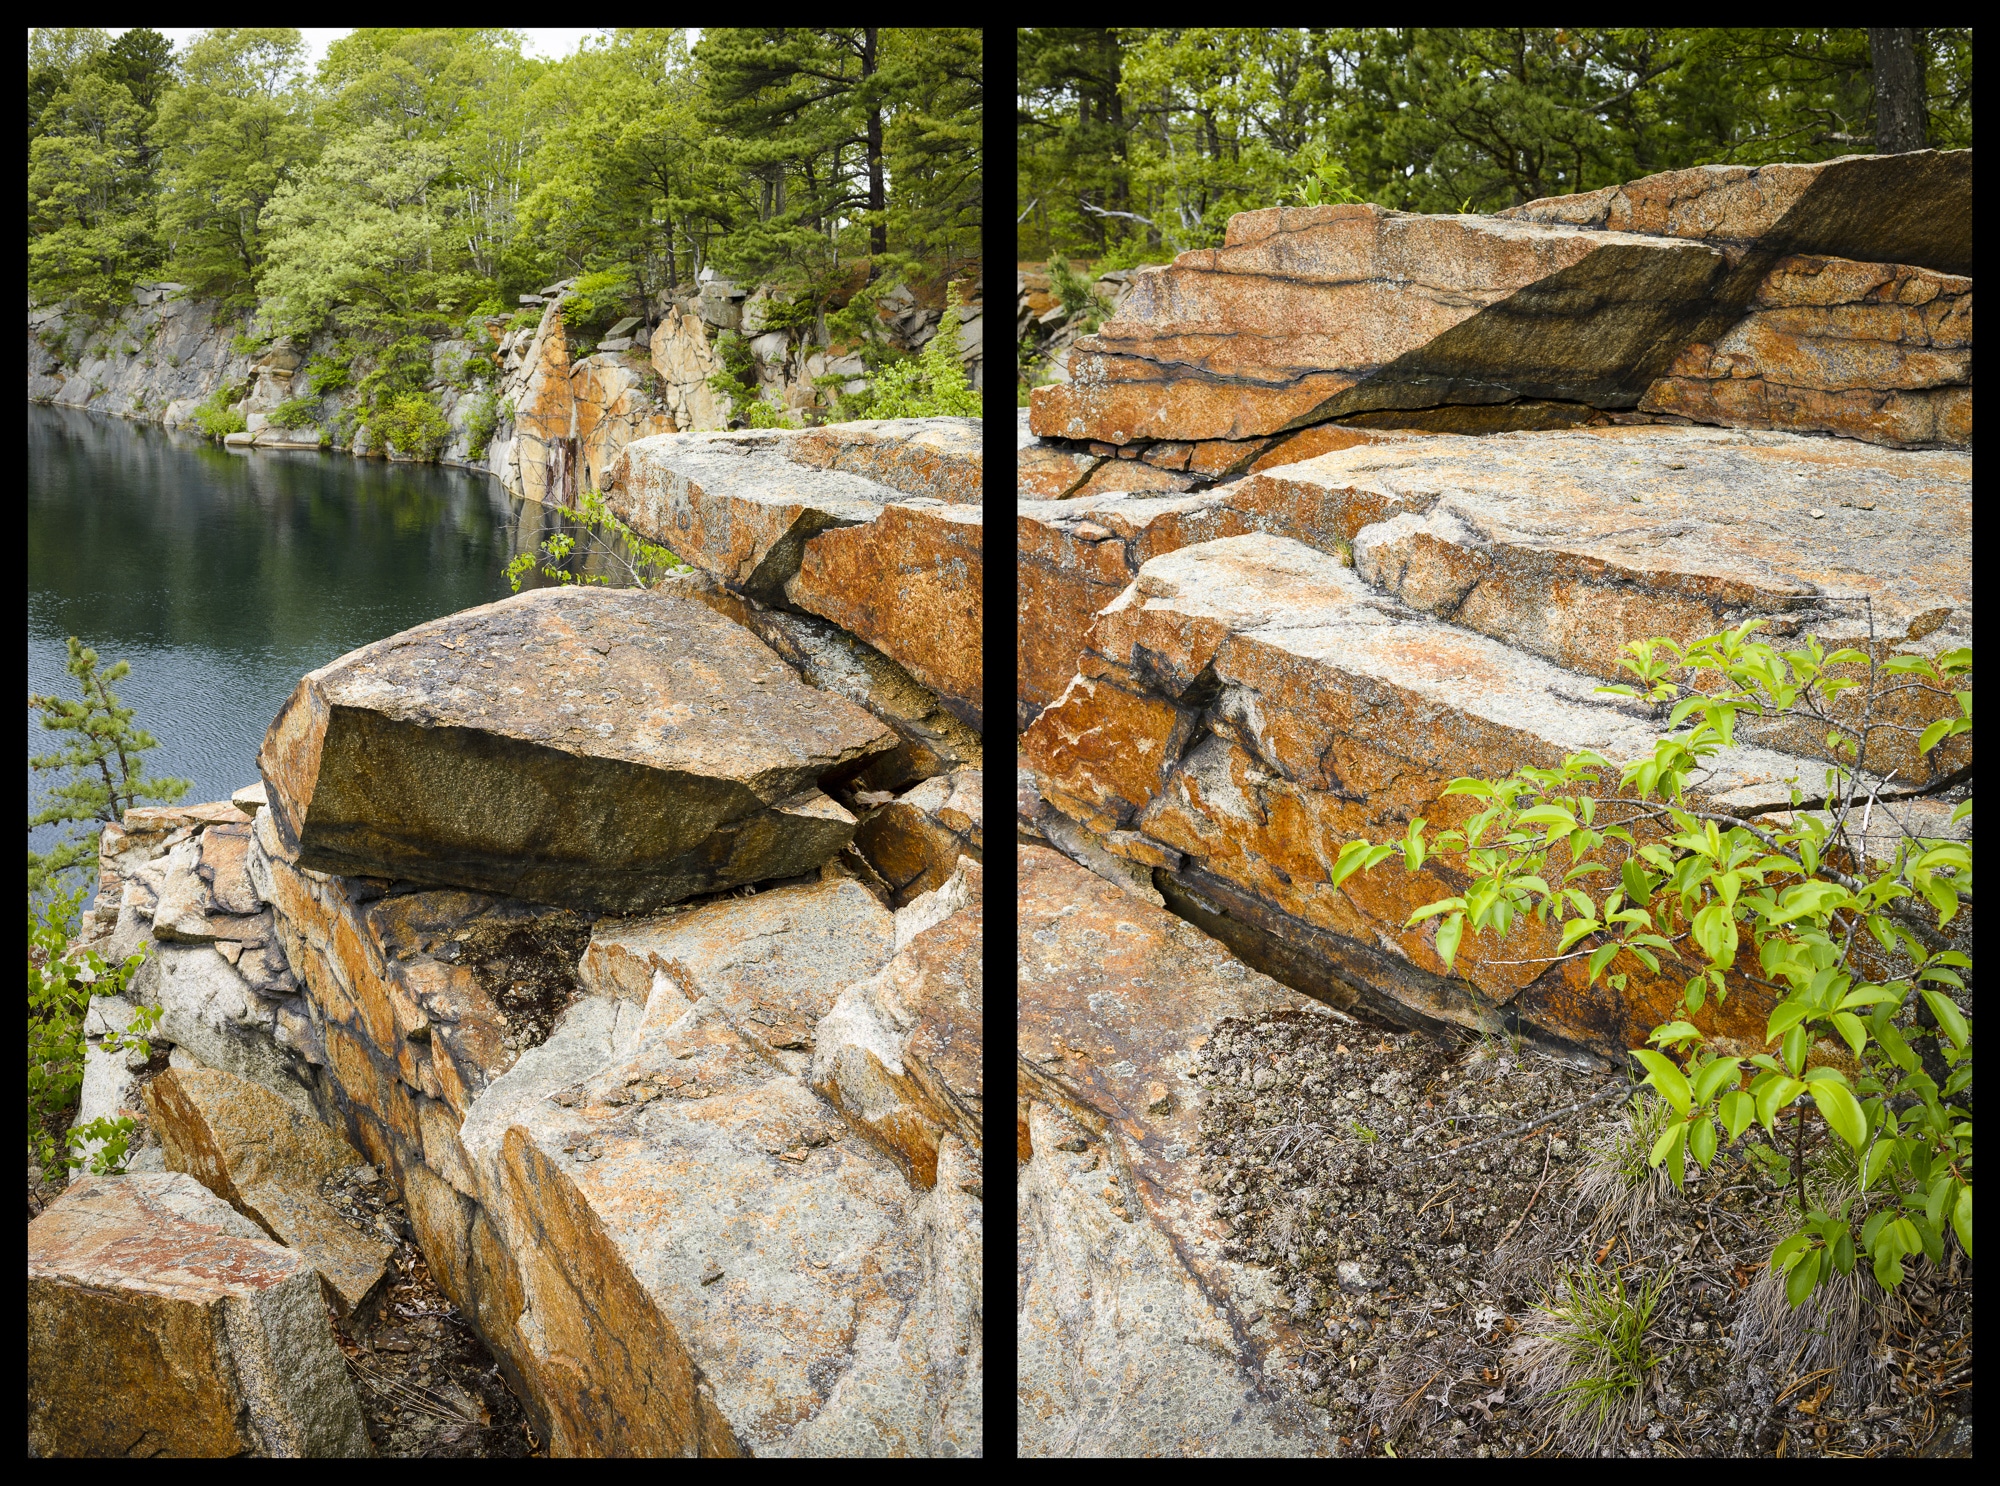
pixel 758 413
pixel 297 412
pixel 326 374
pixel 643 563
pixel 216 418
pixel 105 778
pixel 528 315
pixel 738 377
pixel 595 301
pixel 930 385
pixel 412 424
pixel 250 343
pixel 1085 308
pixel 1791 895
pixel 480 423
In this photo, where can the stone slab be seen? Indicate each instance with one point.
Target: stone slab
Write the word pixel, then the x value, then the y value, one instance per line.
pixel 1136 1336
pixel 1252 704
pixel 1872 351
pixel 915 840
pixel 611 749
pixel 1308 314
pixel 1914 208
pixel 908 583
pixel 266 1160
pixel 898 1053
pixel 162 1323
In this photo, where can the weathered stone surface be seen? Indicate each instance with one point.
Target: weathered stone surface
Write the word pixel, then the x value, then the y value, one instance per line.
pixel 1573 545
pixel 1871 351
pixel 1052 471
pixel 908 583
pixel 1136 1336
pixel 266 1160
pixel 899 1052
pixel 773 963
pixel 599 748
pixel 545 415
pixel 161 1323
pixel 940 458
pixel 839 522
pixel 1309 314
pixel 774 1294
pixel 420 996
pixel 685 361
pixel 208 1007
pixel 933 741
pixel 914 842
pixel 613 407
pixel 249 799
pixel 1252 704
pixel 1914 208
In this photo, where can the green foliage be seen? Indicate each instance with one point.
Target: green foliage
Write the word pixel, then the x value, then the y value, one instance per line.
pixel 100 754
pixel 105 777
pixel 216 418
pixel 297 412
pixel 90 207
pixel 60 986
pixel 411 423
pixel 1783 902
pixel 251 341
pixel 639 562
pixel 1086 308
pixel 757 413
pixel 933 384
pixel 1599 1332
pixel 479 425
pixel 326 374
pixel 1157 135
pixel 595 301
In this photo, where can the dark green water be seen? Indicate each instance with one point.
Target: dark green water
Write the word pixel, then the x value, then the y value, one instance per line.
pixel 223 578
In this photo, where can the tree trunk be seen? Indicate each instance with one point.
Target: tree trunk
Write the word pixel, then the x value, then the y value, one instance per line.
pixel 1899 89
pixel 878 196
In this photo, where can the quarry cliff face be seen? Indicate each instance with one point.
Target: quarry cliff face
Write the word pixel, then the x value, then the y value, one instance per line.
pixel 513 399
pixel 630 940
pixel 1360 503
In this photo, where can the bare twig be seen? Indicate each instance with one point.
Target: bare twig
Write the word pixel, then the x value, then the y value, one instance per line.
pixel 1024 215
pixel 1526 1125
pixel 1514 1226
pixel 1101 212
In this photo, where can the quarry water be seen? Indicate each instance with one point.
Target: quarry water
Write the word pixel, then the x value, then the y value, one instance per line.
pixel 224 577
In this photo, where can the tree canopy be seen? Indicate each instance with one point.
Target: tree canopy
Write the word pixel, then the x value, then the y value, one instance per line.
pixel 1139 142
pixel 422 173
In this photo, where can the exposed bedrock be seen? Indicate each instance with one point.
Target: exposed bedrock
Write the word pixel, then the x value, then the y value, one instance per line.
pixel 1136 1336
pixel 873 526
pixel 608 749
pixel 1249 705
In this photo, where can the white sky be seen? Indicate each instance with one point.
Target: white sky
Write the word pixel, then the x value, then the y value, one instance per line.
pixel 552 42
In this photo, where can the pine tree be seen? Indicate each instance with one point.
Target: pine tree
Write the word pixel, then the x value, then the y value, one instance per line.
pixel 101 757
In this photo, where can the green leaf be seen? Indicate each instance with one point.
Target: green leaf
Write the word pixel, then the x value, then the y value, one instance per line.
pixel 1668 1079
pixel 1888 1268
pixel 1447 938
pixel 1716 1076
pixel 1353 856
pixel 1478 788
pixel 1787 1016
pixel 1961 1218
pixel 1701 1140
pixel 1799 1283
pixel 1850 1028
pixel 1843 1114
pixel 1737 1110
pixel 1775 1097
pixel 1938 731
pixel 1443 905
pixel 1715 931
pixel 1600 957
pixel 1950 1020
pixel 1672 1146
pixel 1879 1156
pixel 1574 930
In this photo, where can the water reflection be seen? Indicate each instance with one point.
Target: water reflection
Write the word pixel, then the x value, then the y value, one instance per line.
pixel 224 577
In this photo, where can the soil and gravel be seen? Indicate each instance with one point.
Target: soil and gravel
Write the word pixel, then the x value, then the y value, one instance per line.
pixel 427 1385
pixel 1419 1201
